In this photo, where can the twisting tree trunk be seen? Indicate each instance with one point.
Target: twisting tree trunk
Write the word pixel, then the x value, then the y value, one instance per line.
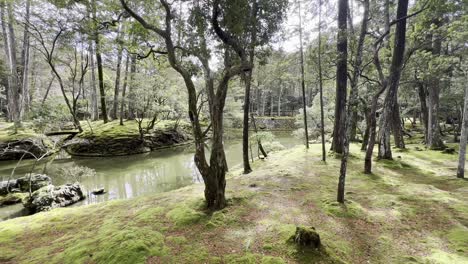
pixel 464 135
pixel 304 106
pixel 322 115
pixel 390 102
pixel 341 82
pixel 117 72
pixel 341 79
pixel 213 172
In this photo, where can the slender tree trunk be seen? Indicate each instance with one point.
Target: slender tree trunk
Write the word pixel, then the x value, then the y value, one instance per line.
pixel 280 94
pixel 341 82
pixel 322 115
pixel 463 138
pixel 124 90
pixel 131 87
pixel 93 93
pixel 102 91
pixel 48 89
pixel 304 105
pixel 117 73
pixel 390 102
pixel 6 47
pixel 245 127
pixel 434 140
pixel 397 127
pixel 14 102
pixel 25 59
pixel 422 92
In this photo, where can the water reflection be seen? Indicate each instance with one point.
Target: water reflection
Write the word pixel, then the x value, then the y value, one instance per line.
pixel 130 176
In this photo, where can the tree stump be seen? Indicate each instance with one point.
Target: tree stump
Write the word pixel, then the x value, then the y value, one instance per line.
pixel 306 237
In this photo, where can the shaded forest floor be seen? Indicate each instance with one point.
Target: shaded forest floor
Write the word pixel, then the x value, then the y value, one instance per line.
pixel 411 210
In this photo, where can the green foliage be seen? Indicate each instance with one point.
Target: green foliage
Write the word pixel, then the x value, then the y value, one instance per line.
pixel 183 215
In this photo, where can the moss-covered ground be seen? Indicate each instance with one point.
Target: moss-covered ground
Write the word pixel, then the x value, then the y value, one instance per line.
pixel 411 210
pixel 8 132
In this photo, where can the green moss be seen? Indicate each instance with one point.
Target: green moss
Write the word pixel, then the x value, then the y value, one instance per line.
pixel 349 209
pixel 149 214
pixel 442 257
pixel 241 259
pixel 458 237
pixel 12 198
pixel 9 133
pixel 272 260
pixel 183 215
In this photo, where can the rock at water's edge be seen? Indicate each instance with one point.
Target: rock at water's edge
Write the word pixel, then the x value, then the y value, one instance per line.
pixel 50 197
pixel 22 184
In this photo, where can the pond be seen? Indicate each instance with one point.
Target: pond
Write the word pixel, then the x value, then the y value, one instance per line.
pixel 130 176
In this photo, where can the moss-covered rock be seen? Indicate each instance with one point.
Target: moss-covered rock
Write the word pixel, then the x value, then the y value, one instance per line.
pixel 22 184
pixel 49 197
pixel 11 198
pixel 306 237
pixel 112 139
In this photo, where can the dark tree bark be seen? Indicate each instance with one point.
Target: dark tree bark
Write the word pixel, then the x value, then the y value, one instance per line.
pixel 102 91
pixel 93 93
pixel 15 89
pixel 124 90
pixel 322 115
pixel 463 138
pixel 339 130
pixel 117 72
pixel 214 172
pixel 390 102
pixel 304 105
pixel 341 143
pixel 25 60
pixel 422 92
pixel 434 138
pixel 247 82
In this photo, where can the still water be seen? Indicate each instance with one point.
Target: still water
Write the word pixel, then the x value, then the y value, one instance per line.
pixel 130 176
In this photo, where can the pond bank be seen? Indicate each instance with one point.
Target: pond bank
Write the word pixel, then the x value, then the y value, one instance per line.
pixel 388 218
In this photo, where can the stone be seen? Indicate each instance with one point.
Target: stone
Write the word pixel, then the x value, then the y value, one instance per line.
pixel 37 181
pixel 50 196
pixel 11 198
pixel 306 237
pixel 8 186
pixel 98 191
pixel 38 146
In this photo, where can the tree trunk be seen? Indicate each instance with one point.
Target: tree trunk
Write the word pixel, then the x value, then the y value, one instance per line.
pixel 124 90
pixel 280 94
pixel 102 91
pixel 322 115
pixel 390 102
pixel 397 127
pixel 245 127
pixel 341 79
pixel 93 93
pixel 131 87
pixel 25 59
pixel 15 91
pixel 422 92
pixel 463 138
pixel 117 73
pixel 341 82
pixel 6 47
pixel 434 140
pixel 304 105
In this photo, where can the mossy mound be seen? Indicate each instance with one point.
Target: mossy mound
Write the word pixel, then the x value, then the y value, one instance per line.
pixel 113 139
pixel 11 198
pixel 23 139
pixel 306 237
